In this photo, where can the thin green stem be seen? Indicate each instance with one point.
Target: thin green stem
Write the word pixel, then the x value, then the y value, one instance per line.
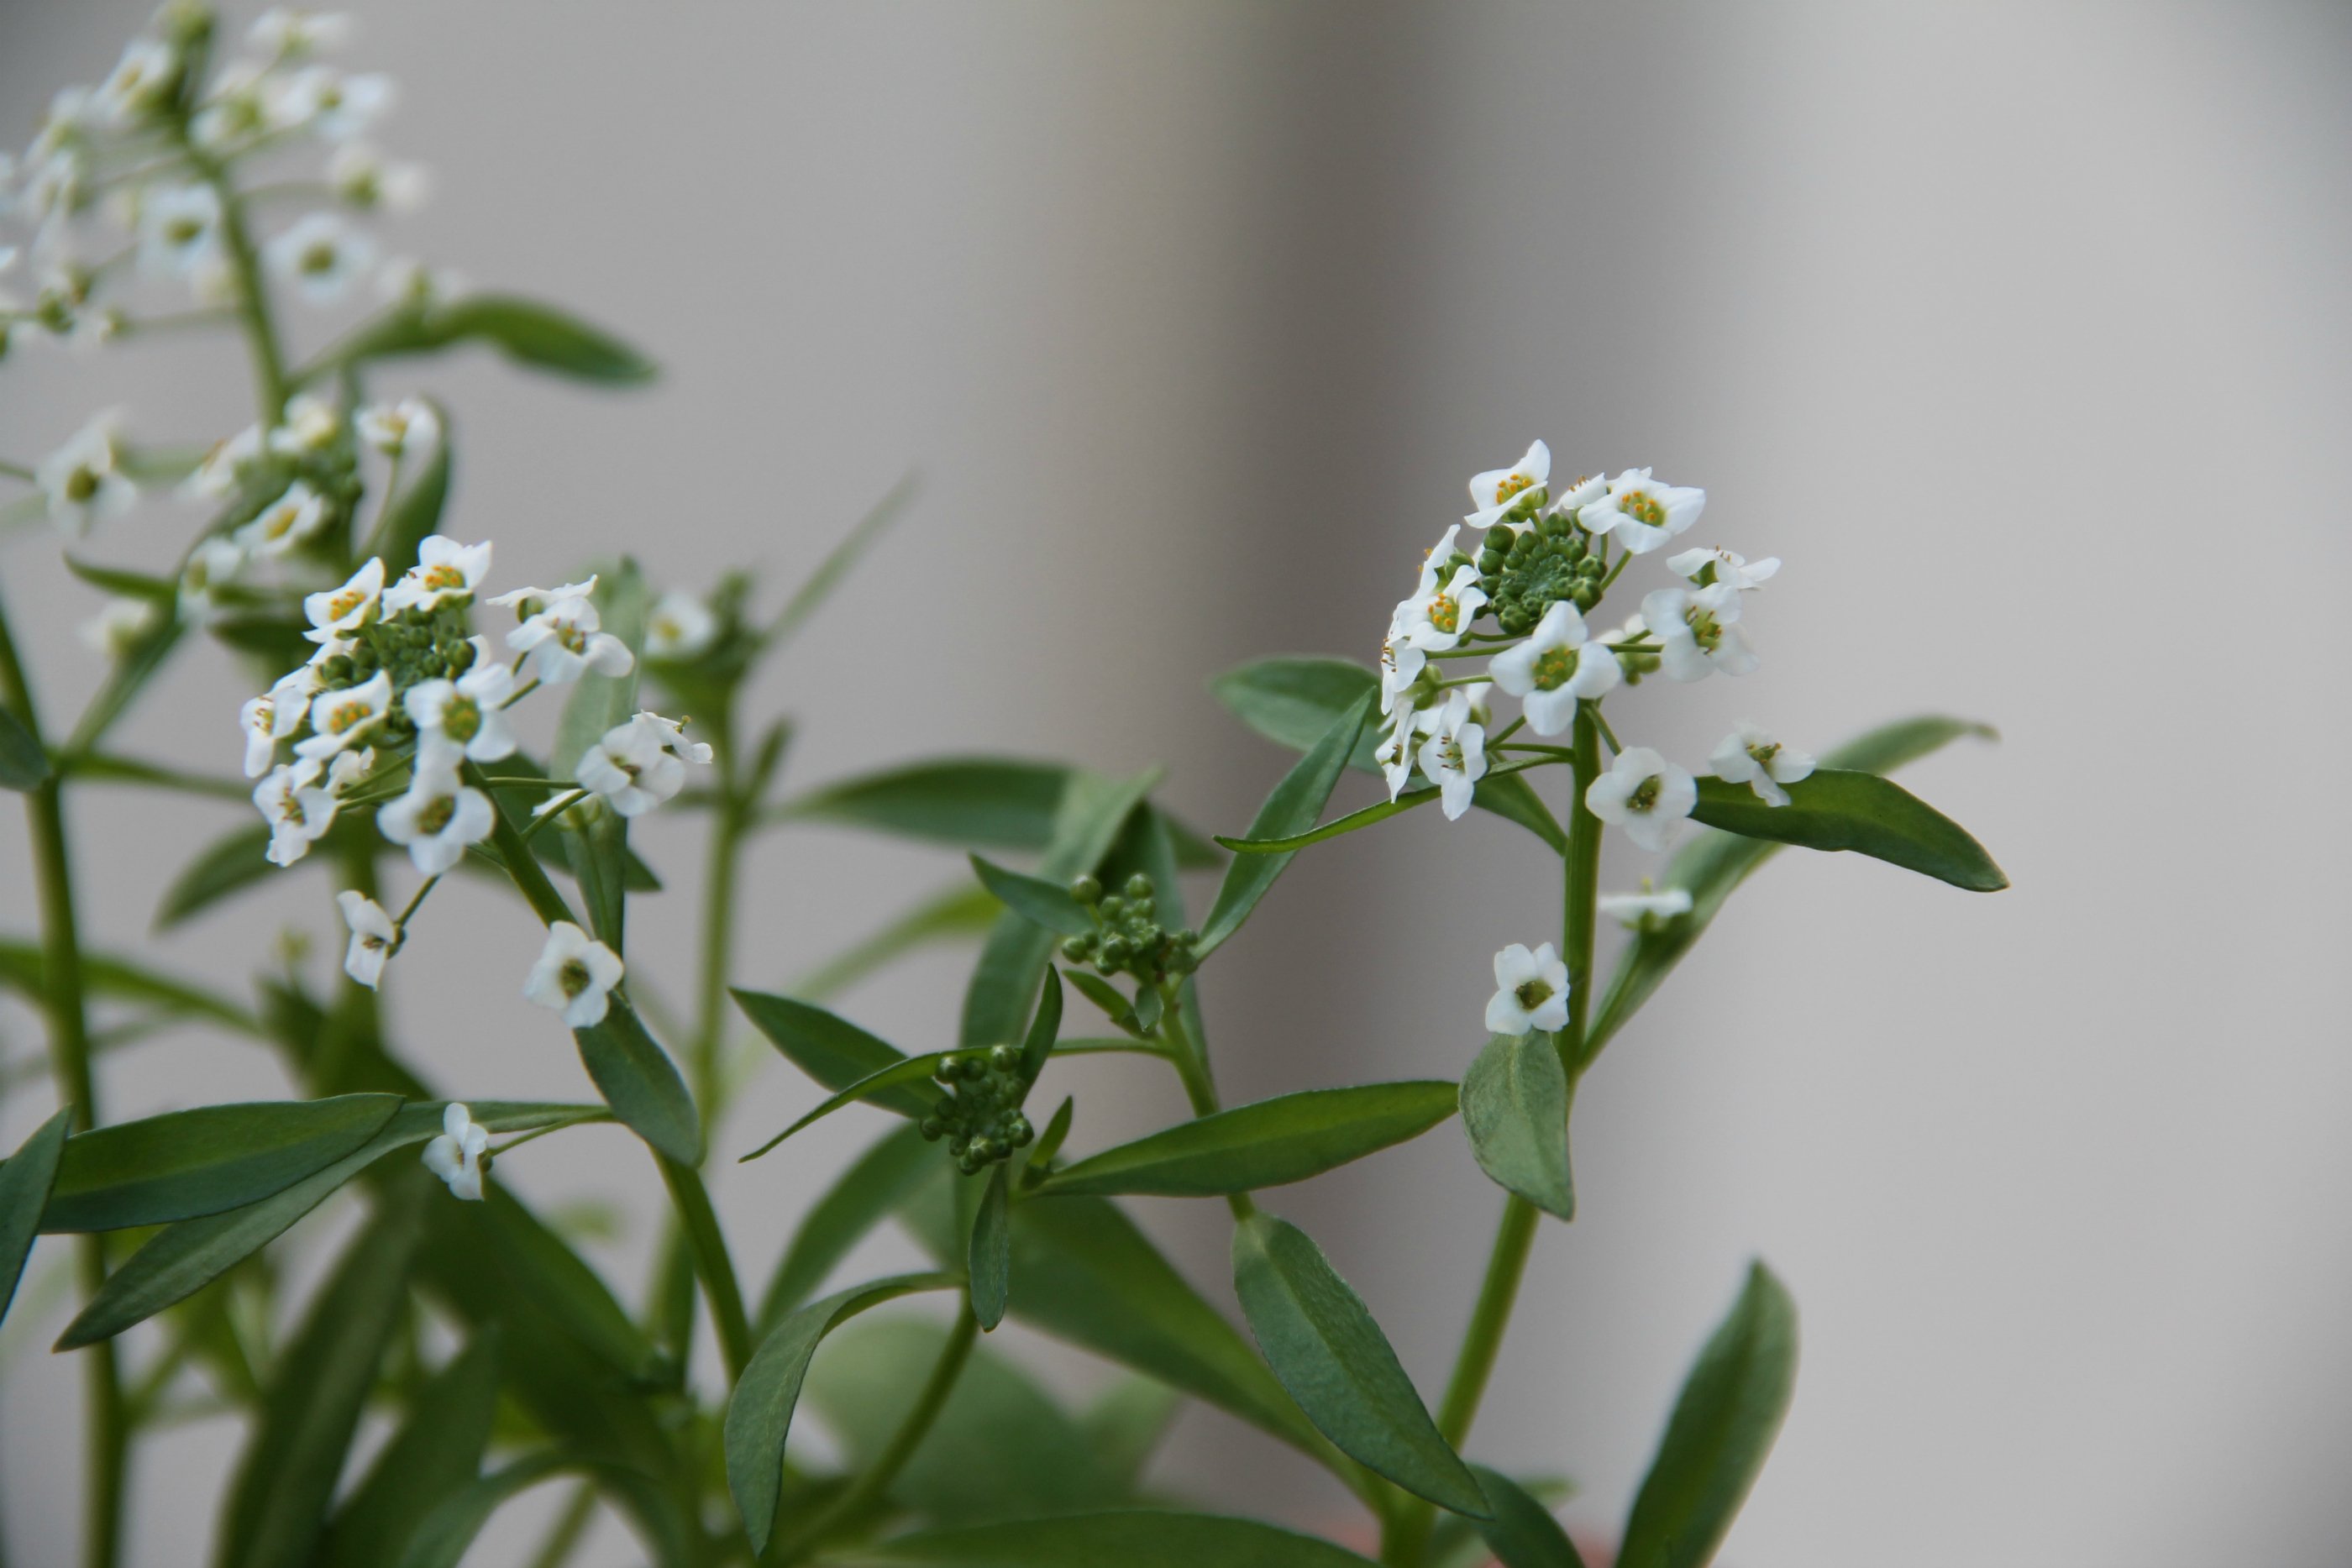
pixel 726 824
pixel 1580 886
pixel 1622 563
pixel 1483 1339
pixel 1607 733
pixel 561 805
pixel 252 296
pixel 712 1265
pixel 522 866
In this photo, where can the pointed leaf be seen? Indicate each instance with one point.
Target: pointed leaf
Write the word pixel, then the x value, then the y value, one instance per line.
pixel 536 1264
pixel 1037 1160
pixel 236 861
pixel 971 802
pixel 828 1048
pixel 1522 1533
pixel 24 766
pixel 207 1160
pixel 441 1540
pixel 811 595
pixel 527 332
pixel 905 1071
pixel 1293 807
pixel 1136 1539
pixel 1381 811
pixel 1333 1358
pixel 1288 1138
pixel 437 1451
pixel 1514 1114
pixel 861 1196
pixel 1838 810
pixel 992 1251
pixel 1045 1028
pixel 120 981
pixel 1293 701
pixel 641 1083
pixel 1035 900
pixel 1722 1429
pixel 24 1189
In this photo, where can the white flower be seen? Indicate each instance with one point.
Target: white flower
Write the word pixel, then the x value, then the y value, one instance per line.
pixel 345 610
pixel 285 521
pixel 215 479
pixel 288 32
pixel 336 106
pixel 1434 619
pixel 320 255
pixel 575 976
pixel 1556 668
pixel 1749 756
pixel 562 641
pixel 1531 991
pixel 1642 513
pixel 1454 758
pixel 393 428
pixel 341 719
pixel 84 479
pixel 296 808
pixel 1727 566
pixel 141 82
pixel 1698 632
pixel 235 109
pixel 671 734
pixel 1504 494
pixel 1636 910
pixel 1580 495
pixel 179 229
pixel 519 600
pixel 1645 795
pixel 375 937
pixel 681 626
pixel 311 424
pixel 455 1156
pixel 1395 752
pixel 349 771
pixel 119 626
pixel 270 718
pixel 1401 663
pixel 632 767
pixel 438 816
pixel 213 565
pixel 465 717
pixel 365 180
pixel 445 571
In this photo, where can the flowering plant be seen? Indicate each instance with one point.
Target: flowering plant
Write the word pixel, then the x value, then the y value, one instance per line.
pixel 390 741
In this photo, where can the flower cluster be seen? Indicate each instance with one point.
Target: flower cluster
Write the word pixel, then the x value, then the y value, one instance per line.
pixel 979 1115
pixel 1127 938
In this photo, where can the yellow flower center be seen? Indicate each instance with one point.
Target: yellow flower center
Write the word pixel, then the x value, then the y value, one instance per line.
pixel 1643 508
pixel 1445 613
pixel 1512 483
pixel 343 604
pixel 1553 668
pixel 443 578
pixel 345 715
pixel 436 813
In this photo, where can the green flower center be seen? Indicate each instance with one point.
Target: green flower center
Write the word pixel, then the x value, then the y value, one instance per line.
pixel 82 484
pixel 1445 613
pixel 573 976
pixel 436 813
pixel 1554 668
pixel 1532 994
pixel 461 718
pixel 1704 629
pixel 1764 753
pixel 1646 794
pixel 318 259
pixel 1643 508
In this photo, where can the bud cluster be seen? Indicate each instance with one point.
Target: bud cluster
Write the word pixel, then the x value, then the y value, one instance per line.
pixel 1128 938
pixel 979 1116
pixel 1528 572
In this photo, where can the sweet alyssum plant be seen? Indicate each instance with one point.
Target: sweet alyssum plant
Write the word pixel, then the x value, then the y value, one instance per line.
pixel 418 714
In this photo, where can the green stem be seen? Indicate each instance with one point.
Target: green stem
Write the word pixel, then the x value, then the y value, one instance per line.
pixel 522 866
pixel 718 918
pixel 253 299
pixel 1483 1339
pixel 1580 886
pixel 712 1265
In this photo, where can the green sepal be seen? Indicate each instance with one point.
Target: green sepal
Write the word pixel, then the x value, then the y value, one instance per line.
pixel 1515 1103
pixel 1270 1143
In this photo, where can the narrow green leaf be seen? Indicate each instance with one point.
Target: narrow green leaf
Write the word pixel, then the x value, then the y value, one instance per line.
pixel 828 1048
pixel 1514 1114
pixel 641 1083
pixel 1889 747
pixel 1037 1160
pixel 905 1071
pixel 536 1264
pixel 1379 812
pixel 1510 797
pixel 527 332
pixel 1293 702
pixel 1291 809
pixel 970 802
pixel 992 1251
pixel 860 1198
pixel 124 583
pixel 24 766
pixel 1522 1533
pixel 415 514
pixel 958 912
pixel 437 1451
pixel 276 1505
pixel 1134 1539
pixel 120 981
pixel 811 595
pixel 105 768
pixel 759 1412
pixel 207 1160
pixel 1333 1358
pixel 1288 1138
pixel 1039 902
pixel 440 1541
pixel 1838 810
pixel 1722 1429
pixel 236 861
pixel 1045 1028
pixel 124 682
pixel 24 1190
pixel 1108 997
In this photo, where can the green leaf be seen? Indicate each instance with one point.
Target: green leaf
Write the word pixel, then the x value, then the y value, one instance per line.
pixel 276 1505
pixel 182 1258
pixel 124 583
pixel 1722 1428
pixel 958 912
pixel 1333 1358
pixel 992 1251
pixel 1037 1160
pixel 759 1412
pixel 1136 1539
pixel 536 1264
pixel 905 1071
pixel 860 1198
pixel 207 1160
pixel 1381 812
pixel 1510 797
pixel 24 766
pixel 442 1540
pixel 1045 1028
pixel 1288 1138
pixel 1125 1426
pixel 123 683
pixel 437 1451
pixel 1837 810
pixel 24 1190
pixel 1514 1114
pixel 1108 997
pixel 1039 902
pixel 828 1048
pixel 835 566
pixel 1522 1533
pixel 1294 702
pixel 527 332
pixel 598 851
pixel 1293 807
pixel 120 981
pixel 415 514
pixel 970 802
pixel 641 1083
pixel 229 864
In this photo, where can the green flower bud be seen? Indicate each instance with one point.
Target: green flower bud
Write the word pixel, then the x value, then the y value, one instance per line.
pixel 1085 889
pixel 1076 949
pixel 1020 1132
pixel 1500 537
pixel 1003 1058
pixel 1114 909
pixel 1138 886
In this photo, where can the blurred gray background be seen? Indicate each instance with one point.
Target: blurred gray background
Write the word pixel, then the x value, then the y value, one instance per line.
pixel 2019 330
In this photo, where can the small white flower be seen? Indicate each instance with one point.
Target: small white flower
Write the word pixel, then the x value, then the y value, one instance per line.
pixel 289 32
pixel 1645 795
pixel 1698 632
pixel 1395 752
pixel 562 641
pixel 270 718
pixel 1401 664
pixel 120 625
pixel 393 428
pixel 1531 991
pixel 437 817
pixel 1504 494
pixel 1437 616
pixel 575 976
pixel 211 566
pixel 631 767
pixel 341 719
pixel 366 180
pixel 1642 513
pixel 141 82
pixel 445 571
pixel 215 479
pixel 671 734
pixel 1580 495
pixel 296 810
pixel 340 611
pixel 455 1156
pixel 1556 668
pixel 338 107
pixel 179 229
pixel 285 521
pixel 520 599
pixel 320 255
pixel 465 717
pixel 311 424
pixel 84 479
pixel 680 627
pixel 1454 758
pixel 1705 567
pixel 1636 910
pixel 349 771
pixel 375 937
pixel 1749 756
